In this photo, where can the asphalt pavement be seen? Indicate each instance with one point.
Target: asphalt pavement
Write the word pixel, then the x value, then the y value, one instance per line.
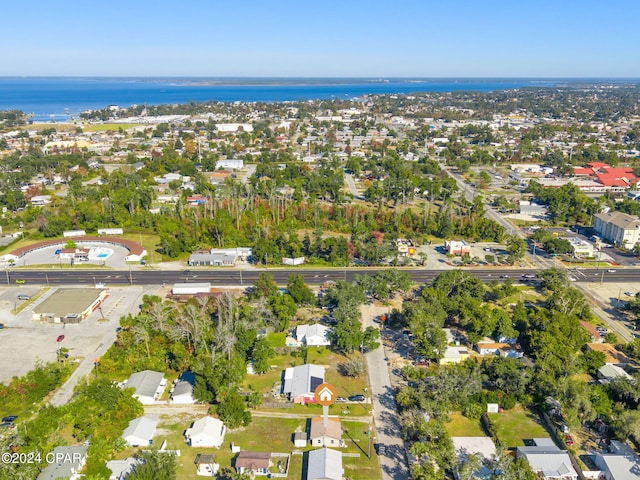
pixel 393 463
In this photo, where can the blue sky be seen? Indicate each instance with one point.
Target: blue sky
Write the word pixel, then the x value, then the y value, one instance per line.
pixel 411 38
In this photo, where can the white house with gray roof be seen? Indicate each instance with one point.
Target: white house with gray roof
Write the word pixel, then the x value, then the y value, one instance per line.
pixel 148 386
pixel 140 431
pixel 313 335
pixel 621 463
pixel 300 382
pixel 548 461
pixel 325 464
pixel 66 462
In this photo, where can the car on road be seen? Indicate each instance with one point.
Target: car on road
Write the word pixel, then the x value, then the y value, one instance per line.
pixel 611 270
pixel 504 276
pixel 20 281
pixel 10 418
pixel 356 398
pixel 58 251
pixel 187 272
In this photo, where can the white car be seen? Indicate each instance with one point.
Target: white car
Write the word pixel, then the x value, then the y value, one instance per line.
pixel 630 294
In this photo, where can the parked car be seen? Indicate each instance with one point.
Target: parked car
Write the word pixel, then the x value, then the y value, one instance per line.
pixel 1 326
pixel 630 294
pixel 341 400
pixel 60 338
pixel 568 440
pixel 356 398
pixel 10 418
pixel 382 449
pixel 23 296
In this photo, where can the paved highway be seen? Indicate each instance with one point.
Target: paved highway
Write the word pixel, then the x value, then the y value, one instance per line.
pixel 231 277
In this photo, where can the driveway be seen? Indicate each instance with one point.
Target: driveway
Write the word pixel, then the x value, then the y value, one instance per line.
pixel 393 464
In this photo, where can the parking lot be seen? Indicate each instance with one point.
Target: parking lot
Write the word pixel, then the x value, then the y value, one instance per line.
pixel 24 341
pixel 48 256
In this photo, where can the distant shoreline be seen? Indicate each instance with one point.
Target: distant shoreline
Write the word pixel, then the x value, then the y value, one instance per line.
pixel 55 98
pixel 328 81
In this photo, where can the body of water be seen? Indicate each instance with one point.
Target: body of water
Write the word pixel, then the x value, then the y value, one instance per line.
pixel 58 98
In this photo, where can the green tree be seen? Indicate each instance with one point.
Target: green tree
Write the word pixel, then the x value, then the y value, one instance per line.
pixel 232 411
pixel 299 291
pixel 154 465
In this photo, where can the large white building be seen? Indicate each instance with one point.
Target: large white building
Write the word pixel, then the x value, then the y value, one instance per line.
pixel 618 228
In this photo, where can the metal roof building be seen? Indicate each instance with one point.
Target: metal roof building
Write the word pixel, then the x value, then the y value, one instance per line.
pixel 325 464
pixel 69 305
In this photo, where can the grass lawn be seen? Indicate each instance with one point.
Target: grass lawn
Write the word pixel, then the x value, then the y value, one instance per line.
pixel 262 435
pixel 346 386
pixel 514 425
pixel 461 426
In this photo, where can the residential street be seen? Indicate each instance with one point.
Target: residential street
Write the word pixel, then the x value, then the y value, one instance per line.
pixel 393 464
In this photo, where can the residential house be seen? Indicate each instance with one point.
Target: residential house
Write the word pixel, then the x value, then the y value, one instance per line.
pixel 40 200
pixel 326 436
pixel 620 463
pixel 230 164
pixel 66 462
pixel 483 447
pixel 609 372
pixel 182 391
pixel 313 335
pixel 148 386
pixel 120 469
pixel 501 349
pixel 595 336
pixel 324 464
pixel 206 465
pixel 548 461
pixel 206 432
pixel 253 463
pixel 140 431
pixel 491 348
pixel 618 228
pixel 454 355
pixel 300 382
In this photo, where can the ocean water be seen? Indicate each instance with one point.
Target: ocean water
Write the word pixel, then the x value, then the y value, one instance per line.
pixel 58 98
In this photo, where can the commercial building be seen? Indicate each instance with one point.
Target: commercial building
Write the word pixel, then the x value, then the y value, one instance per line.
pixel 69 305
pixel 220 257
pixel 581 248
pixel 458 248
pixel 618 228
pixel 405 247
pixel 190 288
